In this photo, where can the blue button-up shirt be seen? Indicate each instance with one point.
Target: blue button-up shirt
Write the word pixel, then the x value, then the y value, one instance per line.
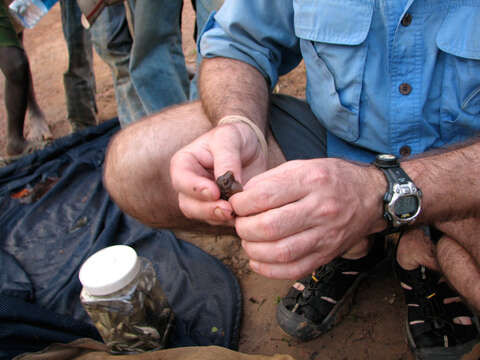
pixel 377 83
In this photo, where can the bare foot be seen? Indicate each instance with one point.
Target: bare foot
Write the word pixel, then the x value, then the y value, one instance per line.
pixel 16 146
pixel 39 129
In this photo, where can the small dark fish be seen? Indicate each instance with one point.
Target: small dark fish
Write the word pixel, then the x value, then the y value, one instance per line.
pixel 228 185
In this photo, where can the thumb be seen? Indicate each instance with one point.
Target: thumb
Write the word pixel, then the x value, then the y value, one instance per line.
pixel 226 149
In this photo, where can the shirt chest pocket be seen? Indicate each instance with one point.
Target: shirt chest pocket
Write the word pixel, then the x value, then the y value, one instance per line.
pixel 458 42
pixel 332 37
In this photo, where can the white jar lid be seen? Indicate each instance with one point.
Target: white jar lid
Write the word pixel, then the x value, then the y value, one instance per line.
pixel 109 270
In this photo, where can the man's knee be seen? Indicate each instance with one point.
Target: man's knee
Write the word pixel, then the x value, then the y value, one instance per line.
pixel 14 64
pixel 125 158
pixel 141 152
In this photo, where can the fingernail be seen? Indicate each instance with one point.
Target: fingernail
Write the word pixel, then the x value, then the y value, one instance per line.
pixel 223 214
pixel 219 213
pixel 205 193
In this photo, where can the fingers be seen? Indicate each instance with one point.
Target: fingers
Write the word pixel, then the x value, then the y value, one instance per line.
pixel 276 223
pixel 194 169
pixel 213 212
pixel 460 268
pixel 293 270
pixel 191 175
pixel 198 195
pixel 285 250
pixel 271 189
pixel 414 249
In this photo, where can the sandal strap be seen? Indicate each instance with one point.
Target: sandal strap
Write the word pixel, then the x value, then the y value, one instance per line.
pixel 431 322
pixel 328 284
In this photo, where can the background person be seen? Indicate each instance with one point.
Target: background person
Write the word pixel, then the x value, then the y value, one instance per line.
pixel 19 92
pixel 79 78
pixel 148 65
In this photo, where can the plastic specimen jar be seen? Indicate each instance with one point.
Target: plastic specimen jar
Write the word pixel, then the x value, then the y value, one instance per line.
pixel 123 297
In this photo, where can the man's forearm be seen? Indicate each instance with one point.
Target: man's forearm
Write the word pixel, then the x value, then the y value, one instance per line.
pixel 450 182
pixel 231 87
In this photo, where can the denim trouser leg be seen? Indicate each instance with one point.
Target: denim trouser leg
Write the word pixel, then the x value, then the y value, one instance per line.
pixel 79 79
pixel 203 10
pixel 157 66
pixel 112 41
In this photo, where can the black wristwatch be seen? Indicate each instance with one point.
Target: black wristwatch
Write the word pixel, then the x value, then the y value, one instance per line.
pixel 403 200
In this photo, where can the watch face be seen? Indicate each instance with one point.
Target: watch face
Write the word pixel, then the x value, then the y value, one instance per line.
pixel 406 206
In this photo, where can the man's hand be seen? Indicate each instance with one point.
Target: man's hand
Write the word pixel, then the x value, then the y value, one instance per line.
pixel 195 167
pixel 302 214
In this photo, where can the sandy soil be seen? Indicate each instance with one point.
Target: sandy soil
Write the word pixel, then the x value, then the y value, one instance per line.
pixel 375 327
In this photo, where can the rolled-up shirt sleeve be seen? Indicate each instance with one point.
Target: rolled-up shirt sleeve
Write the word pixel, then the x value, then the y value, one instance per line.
pixel 259 33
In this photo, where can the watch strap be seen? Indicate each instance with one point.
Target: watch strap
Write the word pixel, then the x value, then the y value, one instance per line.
pixel 396 174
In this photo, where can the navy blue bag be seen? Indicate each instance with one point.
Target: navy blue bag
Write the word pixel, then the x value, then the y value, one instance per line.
pixel 54 214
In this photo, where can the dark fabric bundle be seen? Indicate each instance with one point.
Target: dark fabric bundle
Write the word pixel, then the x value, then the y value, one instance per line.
pixel 54 214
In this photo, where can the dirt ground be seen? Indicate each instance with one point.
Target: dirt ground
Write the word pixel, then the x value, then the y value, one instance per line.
pixel 375 327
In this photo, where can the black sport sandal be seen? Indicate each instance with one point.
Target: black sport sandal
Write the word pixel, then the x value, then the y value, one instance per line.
pixel 432 307
pixel 318 302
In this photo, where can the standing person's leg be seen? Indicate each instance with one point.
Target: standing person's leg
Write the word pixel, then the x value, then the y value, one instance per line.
pixel 79 79
pixel 39 129
pixel 14 66
pixel 18 88
pixel 112 42
pixel 203 9
pixel 157 66
pixel 33 106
